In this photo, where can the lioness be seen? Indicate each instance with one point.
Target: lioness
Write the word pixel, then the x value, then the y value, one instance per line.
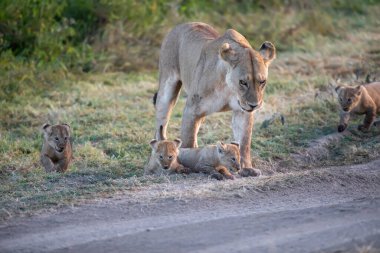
pixel 218 73
pixel 363 99
pixel 56 153
pixel 212 159
pixel 164 157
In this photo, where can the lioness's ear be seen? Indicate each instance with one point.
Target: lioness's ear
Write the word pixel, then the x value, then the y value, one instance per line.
pixel 178 142
pixel 153 143
pixel 221 147
pixel 227 53
pixel 235 143
pixel 268 52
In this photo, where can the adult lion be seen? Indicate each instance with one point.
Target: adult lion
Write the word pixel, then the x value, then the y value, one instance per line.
pixel 218 73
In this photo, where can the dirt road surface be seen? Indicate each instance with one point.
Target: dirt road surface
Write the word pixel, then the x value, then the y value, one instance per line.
pixel 323 210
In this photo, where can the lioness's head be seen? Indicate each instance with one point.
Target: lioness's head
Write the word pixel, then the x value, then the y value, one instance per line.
pixel 165 152
pixel 56 136
pixel 229 155
pixel 248 71
pixel 349 97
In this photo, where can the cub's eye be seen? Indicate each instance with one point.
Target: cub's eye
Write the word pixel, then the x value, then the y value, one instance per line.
pixel 56 138
pixel 263 82
pixel 349 100
pixel 170 157
pixel 161 157
pixel 243 83
pixel 65 138
pixel 233 159
pixel 341 99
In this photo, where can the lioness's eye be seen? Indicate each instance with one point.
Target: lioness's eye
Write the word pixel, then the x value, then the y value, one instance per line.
pixel 233 159
pixel 65 138
pixel 170 157
pixel 161 157
pixel 262 83
pixel 349 100
pixel 56 138
pixel 243 83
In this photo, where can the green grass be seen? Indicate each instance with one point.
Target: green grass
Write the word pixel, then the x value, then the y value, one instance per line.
pixel 112 116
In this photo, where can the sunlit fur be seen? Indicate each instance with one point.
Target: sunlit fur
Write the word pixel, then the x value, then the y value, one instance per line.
pixel 56 153
pixel 362 99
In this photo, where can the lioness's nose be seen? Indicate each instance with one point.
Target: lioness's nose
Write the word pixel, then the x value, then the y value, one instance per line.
pixel 253 105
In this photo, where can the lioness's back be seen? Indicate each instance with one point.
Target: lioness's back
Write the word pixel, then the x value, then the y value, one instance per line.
pixel 182 46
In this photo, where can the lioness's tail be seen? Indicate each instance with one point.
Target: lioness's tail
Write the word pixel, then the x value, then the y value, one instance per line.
pixel 155 98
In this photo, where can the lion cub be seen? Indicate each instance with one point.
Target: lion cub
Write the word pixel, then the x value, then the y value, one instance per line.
pixel 213 159
pixel 363 99
pixel 164 158
pixel 56 153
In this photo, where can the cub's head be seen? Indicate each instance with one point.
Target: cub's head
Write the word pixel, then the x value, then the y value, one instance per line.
pixel 349 97
pixel 229 155
pixel 165 152
pixel 56 136
pixel 248 69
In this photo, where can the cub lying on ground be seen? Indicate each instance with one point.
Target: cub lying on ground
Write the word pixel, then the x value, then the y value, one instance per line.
pixel 213 159
pixel 164 158
pixel 363 99
pixel 56 153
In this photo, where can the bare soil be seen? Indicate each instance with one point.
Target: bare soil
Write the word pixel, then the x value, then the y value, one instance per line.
pixel 334 209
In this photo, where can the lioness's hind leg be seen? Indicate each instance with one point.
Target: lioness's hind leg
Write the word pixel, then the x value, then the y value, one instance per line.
pixel 165 101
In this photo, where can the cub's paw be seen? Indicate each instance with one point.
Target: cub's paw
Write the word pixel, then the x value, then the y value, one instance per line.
pixel 217 176
pixel 249 172
pixel 363 128
pixel 341 128
pixel 231 177
pixel 185 170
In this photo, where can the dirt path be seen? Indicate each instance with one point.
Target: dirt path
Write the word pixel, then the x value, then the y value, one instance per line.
pixel 325 210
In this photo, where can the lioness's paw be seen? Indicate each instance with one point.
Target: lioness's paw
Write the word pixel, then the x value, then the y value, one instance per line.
pixel 250 172
pixel 363 128
pixel 341 128
pixel 217 176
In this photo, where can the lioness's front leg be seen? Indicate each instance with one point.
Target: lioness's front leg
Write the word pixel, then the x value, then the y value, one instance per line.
pixel 343 122
pixel 242 123
pixel 191 122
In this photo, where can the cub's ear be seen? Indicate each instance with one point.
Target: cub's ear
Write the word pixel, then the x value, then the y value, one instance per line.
pixel 268 52
pixel 221 147
pixel 228 54
pixel 235 143
pixel 153 143
pixel 46 128
pixel 68 128
pixel 178 142
pixel 337 88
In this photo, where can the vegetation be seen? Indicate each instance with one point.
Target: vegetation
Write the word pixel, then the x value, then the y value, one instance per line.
pixel 92 64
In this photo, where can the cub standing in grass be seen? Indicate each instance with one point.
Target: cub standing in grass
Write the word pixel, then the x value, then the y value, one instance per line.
pixel 212 159
pixel 363 99
pixel 164 158
pixel 56 153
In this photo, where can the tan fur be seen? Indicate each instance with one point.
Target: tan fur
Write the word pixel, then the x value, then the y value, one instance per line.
pixel 213 159
pixel 363 99
pixel 164 158
pixel 218 73
pixel 56 153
